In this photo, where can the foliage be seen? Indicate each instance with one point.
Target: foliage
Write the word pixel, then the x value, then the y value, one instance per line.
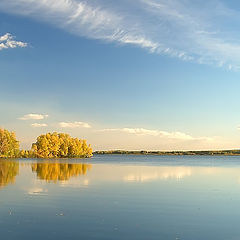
pixel 26 154
pixel 60 145
pixel 59 171
pixel 8 172
pixel 9 146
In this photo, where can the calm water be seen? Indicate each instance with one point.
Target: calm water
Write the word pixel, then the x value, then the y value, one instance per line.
pixel 121 197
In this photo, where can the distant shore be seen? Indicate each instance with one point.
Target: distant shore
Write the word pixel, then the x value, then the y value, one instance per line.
pixel 214 152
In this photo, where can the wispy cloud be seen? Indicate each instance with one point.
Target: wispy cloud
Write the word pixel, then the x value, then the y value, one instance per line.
pixel 181 29
pixel 33 116
pixel 74 125
pixel 8 41
pixel 39 125
pixel 162 134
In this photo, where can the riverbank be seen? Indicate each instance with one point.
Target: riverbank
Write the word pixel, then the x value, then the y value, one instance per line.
pixel 215 152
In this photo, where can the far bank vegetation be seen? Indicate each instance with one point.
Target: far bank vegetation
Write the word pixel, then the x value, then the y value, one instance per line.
pixel 214 152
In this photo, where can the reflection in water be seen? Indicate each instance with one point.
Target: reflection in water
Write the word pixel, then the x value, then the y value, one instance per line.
pixel 8 172
pixel 154 173
pixel 120 199
pixel 37 191
pixel 59 171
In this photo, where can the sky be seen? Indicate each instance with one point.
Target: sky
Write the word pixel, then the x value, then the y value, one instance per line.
pixel 134 75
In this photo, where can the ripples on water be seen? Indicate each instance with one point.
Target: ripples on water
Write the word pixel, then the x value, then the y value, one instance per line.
pixel 121 197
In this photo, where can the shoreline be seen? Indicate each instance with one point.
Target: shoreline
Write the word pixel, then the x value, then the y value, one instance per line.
pixel 171 153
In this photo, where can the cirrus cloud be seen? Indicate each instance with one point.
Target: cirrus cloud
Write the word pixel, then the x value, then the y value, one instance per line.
pixel 181 29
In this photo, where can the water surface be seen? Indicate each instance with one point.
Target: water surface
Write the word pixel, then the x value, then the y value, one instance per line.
pixel 121 197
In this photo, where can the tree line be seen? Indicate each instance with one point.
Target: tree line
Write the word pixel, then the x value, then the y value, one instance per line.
pixel 50 145
pixel 213 152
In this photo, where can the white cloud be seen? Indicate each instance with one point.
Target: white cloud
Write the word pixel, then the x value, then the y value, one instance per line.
pixel 7 41
pixel 33 116
pixel 39 125
pixel 181 29
pixel 74 125
pixel 137 131
pixel 162 134
pixel 85 19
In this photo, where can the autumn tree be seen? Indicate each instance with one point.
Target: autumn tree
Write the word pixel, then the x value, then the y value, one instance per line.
pixel 26 154
pixel 60 145
pixel 9 146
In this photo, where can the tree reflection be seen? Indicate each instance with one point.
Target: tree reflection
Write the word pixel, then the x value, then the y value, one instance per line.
pixel 8 172
pixel 59 171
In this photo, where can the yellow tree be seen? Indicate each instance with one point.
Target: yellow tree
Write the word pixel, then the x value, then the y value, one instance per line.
pixel 60 145
pixel 9 146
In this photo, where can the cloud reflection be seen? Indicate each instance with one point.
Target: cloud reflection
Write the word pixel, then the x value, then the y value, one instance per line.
pixel 37 191
pixel 151 174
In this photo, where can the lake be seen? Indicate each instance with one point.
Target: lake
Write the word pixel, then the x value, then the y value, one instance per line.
pixel 121 197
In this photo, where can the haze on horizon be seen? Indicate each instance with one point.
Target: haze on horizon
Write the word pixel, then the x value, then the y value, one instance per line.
pixel 134 75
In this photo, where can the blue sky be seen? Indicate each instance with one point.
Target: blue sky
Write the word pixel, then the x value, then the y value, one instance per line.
pixel 144 74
